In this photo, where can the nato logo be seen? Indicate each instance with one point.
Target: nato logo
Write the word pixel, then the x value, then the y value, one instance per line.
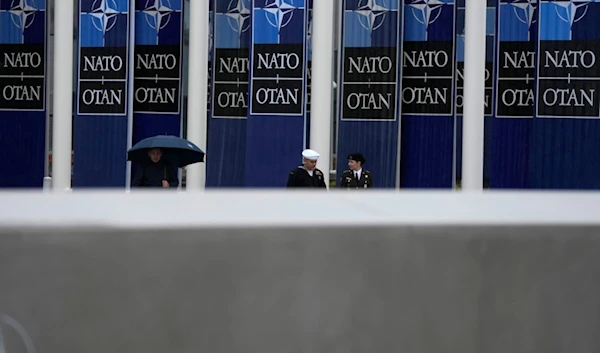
pixel 158 34
pixel 232 37
pixel 428 20
pixel 428 85
pixel 22 21
pixel 103 42
pixel 370 59
pixel 158 22
pixel 23 60
pixel 279 57
pixel 371 23
pixel 517 20
pixel 517 35
pixel 103 23
pixel 568 72
pixel 279 21
pixel 569 20
pixel 232 22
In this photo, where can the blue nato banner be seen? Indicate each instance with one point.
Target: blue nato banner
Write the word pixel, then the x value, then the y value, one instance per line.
pixel 566 128
pixel 490 60
pixel 226 151
pixel 428 74
pixel 515 97
pixel 22 92
pixel 369 86
pixel 100 126
pixel 157 103
pixel 275 131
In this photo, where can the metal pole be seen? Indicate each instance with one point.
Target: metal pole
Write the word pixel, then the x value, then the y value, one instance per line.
pixel 47 184
pixel 62 131
pixel 474 95
pixel 321 84
pixel 197 88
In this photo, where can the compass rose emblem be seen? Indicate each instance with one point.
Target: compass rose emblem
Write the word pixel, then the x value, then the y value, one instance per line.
pixel 238 14
pixel 371 13
pixel 279 13
pixel 158 13
pixel 571 11
pixel 426 12
pixel 525 11
pixel 104 15
pixel 23 13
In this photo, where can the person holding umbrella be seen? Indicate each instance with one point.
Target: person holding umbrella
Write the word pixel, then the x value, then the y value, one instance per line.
pixel 156 172
pixel 159 156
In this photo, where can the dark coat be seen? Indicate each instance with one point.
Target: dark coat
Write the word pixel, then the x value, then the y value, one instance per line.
pixel 299 178
pixel 152 175
pixel 349 181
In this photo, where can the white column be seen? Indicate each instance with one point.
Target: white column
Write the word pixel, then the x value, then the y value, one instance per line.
pixel 62 131
pixel 130 88
pixel 322 76
pixel 474 95
pixel 47 184
pixel 197 88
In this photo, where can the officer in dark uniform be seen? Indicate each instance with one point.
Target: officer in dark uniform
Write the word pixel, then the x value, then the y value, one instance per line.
pixel 307 175
pixel 356 177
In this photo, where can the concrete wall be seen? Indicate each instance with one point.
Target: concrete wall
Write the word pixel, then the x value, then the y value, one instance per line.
pixel 330 289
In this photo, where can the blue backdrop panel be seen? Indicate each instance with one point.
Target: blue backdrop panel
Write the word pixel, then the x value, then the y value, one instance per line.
pixel 276 118
pixel 22 93
pixel 226 152
pixel 566 132
pixel 489 81
pixel 158 68
pixel 515 96
pixel 100 127
pixel 369 87
pixel 427 143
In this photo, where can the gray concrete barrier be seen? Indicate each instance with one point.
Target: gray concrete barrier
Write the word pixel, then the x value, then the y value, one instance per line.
pixel 468 287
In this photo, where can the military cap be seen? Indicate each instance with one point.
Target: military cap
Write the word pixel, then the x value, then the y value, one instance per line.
pixel 357 157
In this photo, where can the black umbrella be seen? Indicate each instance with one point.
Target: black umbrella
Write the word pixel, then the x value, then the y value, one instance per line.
pixel 177 151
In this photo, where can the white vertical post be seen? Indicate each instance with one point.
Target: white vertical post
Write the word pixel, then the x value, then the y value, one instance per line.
pixel 62 131
pixel 474 95
pixel 47 184
pixel 130 88
pixel 197 89
pixel 321 84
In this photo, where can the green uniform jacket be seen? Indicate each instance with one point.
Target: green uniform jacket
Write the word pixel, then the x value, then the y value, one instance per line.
pixel 349 181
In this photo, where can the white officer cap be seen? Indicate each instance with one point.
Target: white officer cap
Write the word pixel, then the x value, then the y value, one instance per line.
pixel 310 155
